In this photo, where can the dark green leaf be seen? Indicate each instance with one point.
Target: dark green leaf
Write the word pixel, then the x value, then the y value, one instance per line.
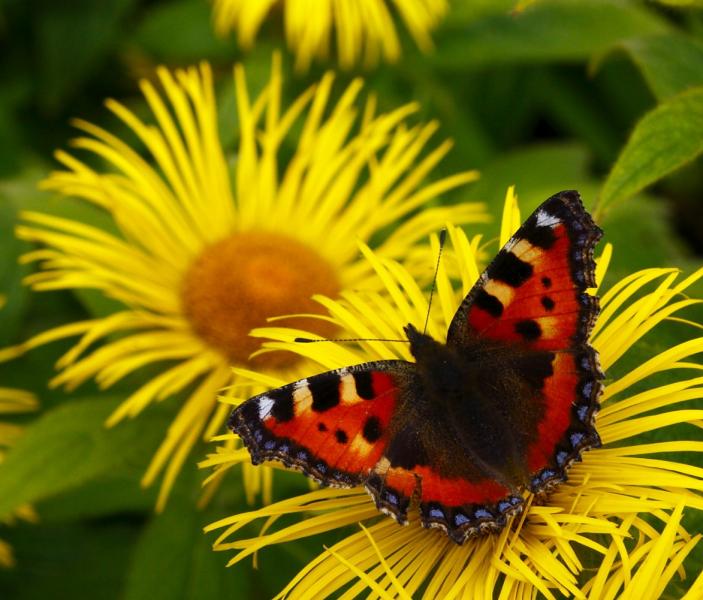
pixel 572 110
pixel 190 21
pixel 115 492
pixel 13 295
pixel 632 226
pixel 665 139
pixel 559 30
pixel 174 560
pixel 532 171
pixel 73 39
pixel 670 63
pixel 74 560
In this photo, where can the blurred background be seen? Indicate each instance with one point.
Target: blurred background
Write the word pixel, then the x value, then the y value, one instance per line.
pixel 544 98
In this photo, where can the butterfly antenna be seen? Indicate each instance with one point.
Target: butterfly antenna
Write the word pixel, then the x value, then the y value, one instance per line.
pixel 303 340
pixel 442 239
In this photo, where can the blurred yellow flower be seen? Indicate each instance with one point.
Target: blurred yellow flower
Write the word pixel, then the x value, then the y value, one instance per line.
pixel 13 401
pixel 206 249
pixel 621 503
pixel 364 29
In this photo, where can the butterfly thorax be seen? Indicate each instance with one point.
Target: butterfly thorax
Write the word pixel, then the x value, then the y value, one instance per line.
pixel 462 395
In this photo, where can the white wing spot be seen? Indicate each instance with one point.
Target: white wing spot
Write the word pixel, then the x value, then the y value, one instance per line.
pixel 545 219
pixel 265 407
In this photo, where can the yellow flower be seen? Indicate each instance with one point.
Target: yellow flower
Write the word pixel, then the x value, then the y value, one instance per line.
pixel 207 249
pixel 13 401
pixel 622 503
pixel 364 29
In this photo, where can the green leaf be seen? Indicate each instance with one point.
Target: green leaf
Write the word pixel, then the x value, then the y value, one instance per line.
pixel 196 41
pixel 682 3
pixel 670 63
pixel 559 30
pixel 174 560
pixel 70 445
pixel 112 493
pixel 665 139
pixel 23 194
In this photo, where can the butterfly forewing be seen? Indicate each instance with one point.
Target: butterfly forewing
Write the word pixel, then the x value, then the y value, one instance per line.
pixel 332 426
pixel 534 291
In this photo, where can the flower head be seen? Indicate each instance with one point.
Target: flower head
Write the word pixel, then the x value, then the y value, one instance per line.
pixel 364 29
pixel 204 251
pixel 623 503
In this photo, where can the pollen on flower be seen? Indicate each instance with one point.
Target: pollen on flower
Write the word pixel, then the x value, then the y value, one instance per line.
pixel 236 284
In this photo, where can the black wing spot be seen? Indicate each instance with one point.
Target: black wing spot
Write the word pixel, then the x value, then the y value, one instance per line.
pixel 540 236
pixel 372 430
pixel 528 329
pixel 536 367
pixel 363 380
pixel 489 303
pixel 321 427
pixel 546 282
pixel 406 451
pixel 548 303
pixel 341 436
pixel 325 392
pixel 282 408
pixel 510 269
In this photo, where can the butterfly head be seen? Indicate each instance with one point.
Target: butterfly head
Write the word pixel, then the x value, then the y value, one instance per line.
pixel 421 344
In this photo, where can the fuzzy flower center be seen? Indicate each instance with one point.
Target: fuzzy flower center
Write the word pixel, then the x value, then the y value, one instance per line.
pixel 239 282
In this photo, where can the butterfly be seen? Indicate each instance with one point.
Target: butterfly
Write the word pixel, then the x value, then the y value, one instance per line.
pixel 506 405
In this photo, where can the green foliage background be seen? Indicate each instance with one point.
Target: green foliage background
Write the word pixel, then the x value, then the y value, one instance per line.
pixel 605 96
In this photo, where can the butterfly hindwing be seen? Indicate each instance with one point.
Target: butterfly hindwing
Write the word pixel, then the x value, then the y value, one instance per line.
pixel 459 502
pixel 332 426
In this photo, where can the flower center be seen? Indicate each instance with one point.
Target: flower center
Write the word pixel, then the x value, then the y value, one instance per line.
pixel 240 281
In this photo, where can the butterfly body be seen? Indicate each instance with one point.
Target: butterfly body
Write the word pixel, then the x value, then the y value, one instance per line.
pixel 505 405
pixel 463 395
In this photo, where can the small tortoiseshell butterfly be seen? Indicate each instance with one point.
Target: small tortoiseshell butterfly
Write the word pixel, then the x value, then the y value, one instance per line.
pixel 507 404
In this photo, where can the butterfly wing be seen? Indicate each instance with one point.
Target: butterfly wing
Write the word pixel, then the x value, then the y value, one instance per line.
pixel 534 296
pixel 333 426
